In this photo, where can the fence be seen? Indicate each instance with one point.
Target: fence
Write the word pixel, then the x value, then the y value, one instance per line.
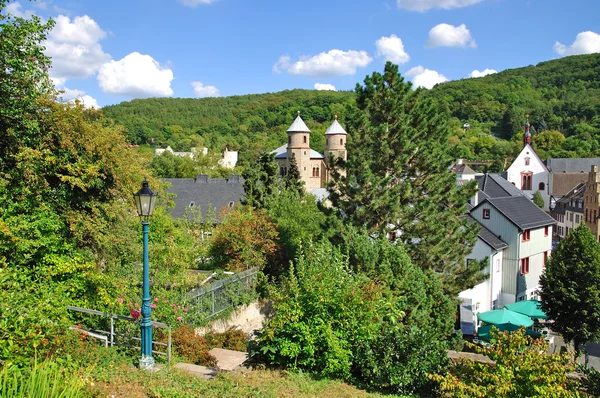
pixel 112 338
pixel 222 295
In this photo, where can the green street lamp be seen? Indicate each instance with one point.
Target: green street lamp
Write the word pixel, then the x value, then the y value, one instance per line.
pixel 145 200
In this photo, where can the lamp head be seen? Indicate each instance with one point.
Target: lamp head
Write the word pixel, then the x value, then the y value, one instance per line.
pixel 145 200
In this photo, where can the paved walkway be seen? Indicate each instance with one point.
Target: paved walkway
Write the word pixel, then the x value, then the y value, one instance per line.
pixel 228 360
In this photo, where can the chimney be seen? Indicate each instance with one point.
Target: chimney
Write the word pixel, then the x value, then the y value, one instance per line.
pixel 233 179
pixel 202 178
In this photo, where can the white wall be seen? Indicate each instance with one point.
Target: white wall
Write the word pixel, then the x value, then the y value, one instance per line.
pixel 538 170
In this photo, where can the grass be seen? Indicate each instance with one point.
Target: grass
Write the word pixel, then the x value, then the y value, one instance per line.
pixel 125 381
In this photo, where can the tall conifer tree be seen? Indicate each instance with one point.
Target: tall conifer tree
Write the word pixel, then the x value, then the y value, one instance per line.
pixel 397 178
pixel 292 180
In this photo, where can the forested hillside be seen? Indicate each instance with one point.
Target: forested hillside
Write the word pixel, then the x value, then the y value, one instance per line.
pixel 247 123
pixel 561 96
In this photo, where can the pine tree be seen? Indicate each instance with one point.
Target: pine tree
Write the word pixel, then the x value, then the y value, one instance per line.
pixel 570 287
pixel 397 178
pixel 292 180
pixel 261 181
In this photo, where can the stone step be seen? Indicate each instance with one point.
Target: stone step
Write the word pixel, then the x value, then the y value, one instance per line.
pixel 202 372
pixel 228 359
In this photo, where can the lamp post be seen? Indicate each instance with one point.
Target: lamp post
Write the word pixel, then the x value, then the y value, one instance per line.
pixel 145 200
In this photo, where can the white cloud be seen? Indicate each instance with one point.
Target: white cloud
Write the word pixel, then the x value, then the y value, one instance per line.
pixel 331 63
pixel 445 35
pixel 585 43
pixel 15 10
pixel 426 5
pixel 325 86
pixel 483 73
pixel 205 91
pixel 194 3
pixel 79 95
pixel 75 49
pixel 392 49
pixel 422 77
pixel 136 75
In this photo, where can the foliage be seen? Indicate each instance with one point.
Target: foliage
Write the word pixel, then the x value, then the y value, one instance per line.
pixel 569 287
pixel 168 165
pixel 343 324
pixel 246 238
pixel 251 124
pixel 45 379
pixel 231 339
pixel 521 368
pixel 292 180
pixel 397 178
pixel 261 181
pixel 538 199
pixel 590 383
pixel 193 348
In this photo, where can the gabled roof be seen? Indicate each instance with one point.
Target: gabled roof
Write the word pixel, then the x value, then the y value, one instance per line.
pixel 571 165
pixel 281 153
pixel 205 193
pixel 335 128
pixel 529 148
pixel 494 186
pixel 575 193
pixel 488 237
pixel 520 211
pixel 564 182
pixel 298 126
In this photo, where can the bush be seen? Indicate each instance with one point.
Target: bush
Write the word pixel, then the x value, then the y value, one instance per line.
pixel 191 347
pixel 339 323
pixel 231 339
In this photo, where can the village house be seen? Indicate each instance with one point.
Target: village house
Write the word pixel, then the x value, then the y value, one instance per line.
pixel 592 201
pixel 568 211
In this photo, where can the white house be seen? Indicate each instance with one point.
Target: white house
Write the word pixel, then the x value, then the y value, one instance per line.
pixel 528 172
pixel 527 231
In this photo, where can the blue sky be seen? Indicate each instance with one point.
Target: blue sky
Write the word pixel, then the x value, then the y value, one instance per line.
pixel 110 51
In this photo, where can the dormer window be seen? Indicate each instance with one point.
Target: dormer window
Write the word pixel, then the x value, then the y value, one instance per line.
pixel 486 214
pixel 527 161
pixel 231 203
pixel 192 204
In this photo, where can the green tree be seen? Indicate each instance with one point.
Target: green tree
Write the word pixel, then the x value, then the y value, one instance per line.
pixel 538 199
pixel 521 368
pixel 261 181
pixel 292 180
pixel 397 178
pixel 549 140
pixel 569 287
pixel 512 122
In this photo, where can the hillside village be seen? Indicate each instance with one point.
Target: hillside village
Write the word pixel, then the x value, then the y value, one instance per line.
pixel 374 224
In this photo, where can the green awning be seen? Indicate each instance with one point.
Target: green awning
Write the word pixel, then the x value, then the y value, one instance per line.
pixel 531 308
pixel 484 332
pixel 499 317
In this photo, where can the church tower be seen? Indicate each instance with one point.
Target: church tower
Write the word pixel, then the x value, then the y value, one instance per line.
pixel 299 146
pixel 335 144
pixel 527 134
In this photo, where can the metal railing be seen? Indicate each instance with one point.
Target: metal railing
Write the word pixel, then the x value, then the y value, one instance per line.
pixel 109 337
pixel 223 294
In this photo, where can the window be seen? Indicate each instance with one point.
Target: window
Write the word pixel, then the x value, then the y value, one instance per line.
pixel 526 235
pixel 586 216
pixel 316 171
pixel 392 236
pixel 341 141
pixel 594 219
pixel 571 217
pixel 192 204
pixel 526 161
pixel 546 230
pixel 231 203
pixel 545 259
pixel 497 265
pixel 526 181
pixel 577 218
pixel 486 214
pixel 327 141
pixel 541 186
pixel 289 140
pixel 304 153
pixel 525 266
pixel 304 140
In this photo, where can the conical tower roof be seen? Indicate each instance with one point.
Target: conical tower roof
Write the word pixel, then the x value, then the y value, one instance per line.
pixel 335 128
pixel 298 126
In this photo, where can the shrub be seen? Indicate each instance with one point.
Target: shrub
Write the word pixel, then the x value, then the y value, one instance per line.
pixel 191 347
pixel 231 339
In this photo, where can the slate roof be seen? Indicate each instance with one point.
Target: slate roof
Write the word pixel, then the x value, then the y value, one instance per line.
pixel 205 192
pixel 298 126
pixel 489 238
pixel 574 194
pixel 281 153
pixel 462 169
pixel 335 128
pixel 571 165
pixel 521 211
pixel 494 186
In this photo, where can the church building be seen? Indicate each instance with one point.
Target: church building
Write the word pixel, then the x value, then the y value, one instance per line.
pixel 312 165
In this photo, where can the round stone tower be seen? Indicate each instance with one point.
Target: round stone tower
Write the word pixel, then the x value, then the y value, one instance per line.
pixel 299 146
